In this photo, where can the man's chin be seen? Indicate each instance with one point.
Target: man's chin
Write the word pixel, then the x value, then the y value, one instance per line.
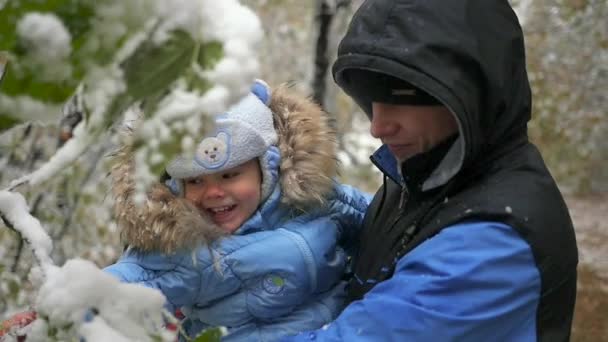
pixel 402 152
pixel 403 157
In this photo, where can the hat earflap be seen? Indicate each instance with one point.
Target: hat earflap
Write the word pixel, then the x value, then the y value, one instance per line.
pixel 262 91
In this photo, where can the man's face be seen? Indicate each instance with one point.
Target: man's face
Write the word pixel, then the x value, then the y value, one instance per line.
pixel 229 197
pixel 409 130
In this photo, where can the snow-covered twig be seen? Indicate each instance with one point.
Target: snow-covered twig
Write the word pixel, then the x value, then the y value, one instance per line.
pixel 20 246
pixel 69 215
pixel 15 213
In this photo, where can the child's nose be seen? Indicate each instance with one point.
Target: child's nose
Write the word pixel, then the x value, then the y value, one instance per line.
pixel 214 191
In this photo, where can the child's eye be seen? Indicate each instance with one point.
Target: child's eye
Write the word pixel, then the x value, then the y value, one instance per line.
pixel 194 181
pixel 230 175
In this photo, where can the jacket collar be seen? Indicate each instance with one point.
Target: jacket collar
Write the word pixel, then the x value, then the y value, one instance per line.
pixel 416 171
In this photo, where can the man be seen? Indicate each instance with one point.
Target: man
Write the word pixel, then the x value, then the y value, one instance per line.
pixel 469 238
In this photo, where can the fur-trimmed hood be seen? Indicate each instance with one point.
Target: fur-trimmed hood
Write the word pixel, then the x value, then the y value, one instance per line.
pixel 166 223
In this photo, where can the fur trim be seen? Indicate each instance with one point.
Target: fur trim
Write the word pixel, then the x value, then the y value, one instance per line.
pixel 308 149
pixel 164 223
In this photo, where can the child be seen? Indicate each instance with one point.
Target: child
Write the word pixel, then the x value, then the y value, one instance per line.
pixel 265 177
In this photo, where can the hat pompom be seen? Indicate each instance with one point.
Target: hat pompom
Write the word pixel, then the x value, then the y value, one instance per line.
pixel 262 91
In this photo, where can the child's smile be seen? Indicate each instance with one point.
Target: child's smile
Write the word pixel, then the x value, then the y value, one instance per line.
pixel 222 215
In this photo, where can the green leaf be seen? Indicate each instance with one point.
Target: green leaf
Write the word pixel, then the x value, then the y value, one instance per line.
pixel 25 82
pixel 119 104
pixel 150 103
pixel 151 70
pixel 153 67
pixel 209 54
pixel 75 15
pixel 23 79
pixel 13 288
pixel 8 122
pixel 209 335
pixel 195 82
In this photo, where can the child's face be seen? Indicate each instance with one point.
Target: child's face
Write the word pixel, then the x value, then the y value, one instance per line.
pixel 229 197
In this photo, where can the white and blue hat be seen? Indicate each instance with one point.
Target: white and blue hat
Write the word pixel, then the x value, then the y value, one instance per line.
pixel 246 131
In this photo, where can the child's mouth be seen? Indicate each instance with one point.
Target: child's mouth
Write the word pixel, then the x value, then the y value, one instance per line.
pixel 222 214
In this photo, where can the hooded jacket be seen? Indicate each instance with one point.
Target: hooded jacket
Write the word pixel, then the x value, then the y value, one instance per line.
pixel 281 272
pixel 470 241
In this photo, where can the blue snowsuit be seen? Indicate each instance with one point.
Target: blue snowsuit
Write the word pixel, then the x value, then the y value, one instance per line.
pixel 279 274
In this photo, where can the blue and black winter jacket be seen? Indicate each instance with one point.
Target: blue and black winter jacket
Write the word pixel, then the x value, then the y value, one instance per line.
pixel 472 240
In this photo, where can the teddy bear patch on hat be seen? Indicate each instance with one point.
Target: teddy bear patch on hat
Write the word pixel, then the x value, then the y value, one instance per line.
pixel 213 152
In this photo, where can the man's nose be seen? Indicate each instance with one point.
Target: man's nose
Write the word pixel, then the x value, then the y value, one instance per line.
pixel 381 128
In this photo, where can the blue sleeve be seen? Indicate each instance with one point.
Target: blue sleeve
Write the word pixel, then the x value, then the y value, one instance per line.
pixel 180 277
pixel 475 281
pixel 167 273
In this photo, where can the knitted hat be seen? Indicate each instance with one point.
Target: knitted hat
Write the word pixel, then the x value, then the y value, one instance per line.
pixel 246 131
pixel 367 86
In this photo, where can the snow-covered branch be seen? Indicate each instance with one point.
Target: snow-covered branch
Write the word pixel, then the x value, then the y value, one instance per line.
pixel 172 61
pixel 15 211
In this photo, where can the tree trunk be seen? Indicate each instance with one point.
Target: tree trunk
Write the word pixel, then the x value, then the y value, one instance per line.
pixel 325 12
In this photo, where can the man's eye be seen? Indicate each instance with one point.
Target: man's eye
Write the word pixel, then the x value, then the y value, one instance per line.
pixel 194 181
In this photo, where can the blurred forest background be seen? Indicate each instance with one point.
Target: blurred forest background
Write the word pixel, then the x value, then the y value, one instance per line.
pixel 567 47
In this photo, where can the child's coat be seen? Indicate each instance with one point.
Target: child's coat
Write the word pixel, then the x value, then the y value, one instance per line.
pixel 281 273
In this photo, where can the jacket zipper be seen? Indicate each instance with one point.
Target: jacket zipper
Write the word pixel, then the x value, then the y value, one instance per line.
pixel 404 196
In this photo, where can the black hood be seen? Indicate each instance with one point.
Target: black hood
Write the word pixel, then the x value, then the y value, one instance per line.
pixel 469 54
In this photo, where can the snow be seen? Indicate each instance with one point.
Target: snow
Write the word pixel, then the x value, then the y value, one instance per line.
pixel 98 331
pixel 71 292
pixel 241 32
pixel 27 108
pixel 45 35
pixel 178 14
pixel 64 156
pixel 14 208
pixel 68 295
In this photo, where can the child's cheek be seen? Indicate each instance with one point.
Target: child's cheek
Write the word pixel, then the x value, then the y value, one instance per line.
pixel 251 195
